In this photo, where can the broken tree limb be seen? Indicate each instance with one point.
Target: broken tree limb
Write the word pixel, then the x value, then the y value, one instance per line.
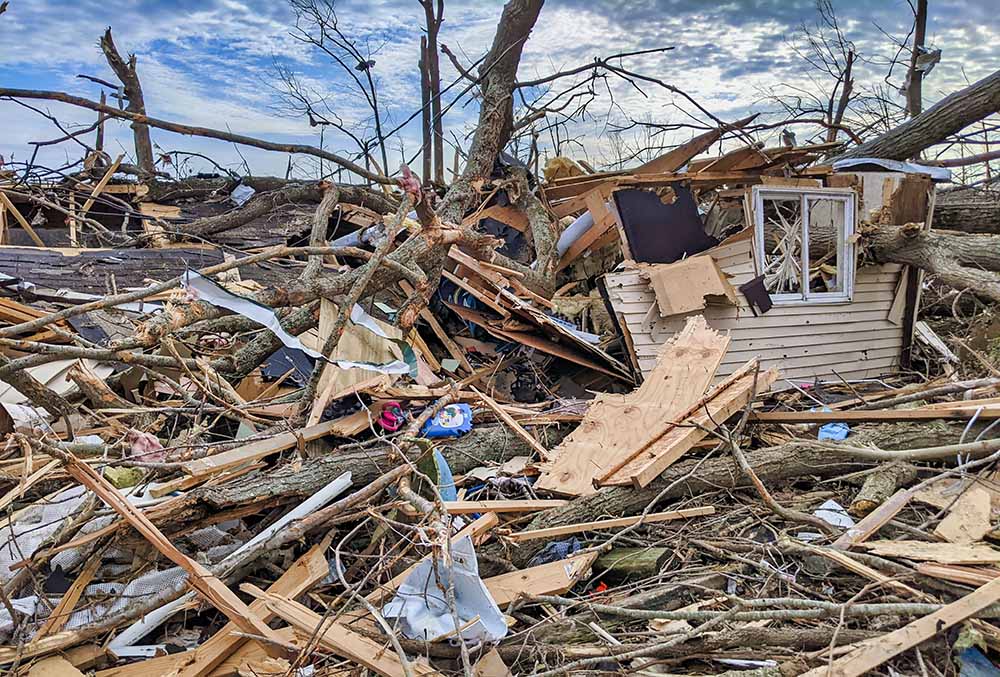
pixel 879 486
pixel 948 116
pixel 772 464
pixel 189 130
pixel 126 72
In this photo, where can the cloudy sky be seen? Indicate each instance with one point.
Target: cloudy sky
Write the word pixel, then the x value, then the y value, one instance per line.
pixel 214 63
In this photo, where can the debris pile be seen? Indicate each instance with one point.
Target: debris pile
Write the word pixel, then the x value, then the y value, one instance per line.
pixel 658 421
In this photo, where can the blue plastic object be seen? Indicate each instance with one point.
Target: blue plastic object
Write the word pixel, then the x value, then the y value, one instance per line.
pixel 454 420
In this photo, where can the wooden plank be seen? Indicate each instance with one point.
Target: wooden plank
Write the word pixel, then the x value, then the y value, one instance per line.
pixel 674 159
pixel 553 578
pixel 376 656
pixel 543 453
pixel 874 520
pixel 942 553
pixel 343 427
pixel 306 572
pixel 201 579
pixel 604 221
pixel 681 438
pixel 100 186
pixel 959 574
pixel 871 653
pixel 529 505
pixel 427 316
pixel 477 293
pixel 20 219
pixel 875 415
pixel 61 613
pixel 616 426
pixel 552 532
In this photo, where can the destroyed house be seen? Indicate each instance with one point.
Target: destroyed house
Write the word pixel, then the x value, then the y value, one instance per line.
pixel 769 259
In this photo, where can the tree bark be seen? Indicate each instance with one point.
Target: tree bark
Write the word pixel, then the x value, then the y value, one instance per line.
pixel 968 211
pixel 773 464
pixel 959 260
pixel 949 115
pixel 482 446
pixel 496 108
pixel 126 72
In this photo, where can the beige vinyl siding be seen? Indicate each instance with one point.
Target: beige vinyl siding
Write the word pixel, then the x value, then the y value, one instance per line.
pixel 806 341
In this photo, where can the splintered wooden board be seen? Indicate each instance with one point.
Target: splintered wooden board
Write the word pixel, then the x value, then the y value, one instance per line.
pixel 942 553
pixel 616 427
pixel 345 426
pixel 377 656
pixel 871 653
pixel 552 578
pixel 726 400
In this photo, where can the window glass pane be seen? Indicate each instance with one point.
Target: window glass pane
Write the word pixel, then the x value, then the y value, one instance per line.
pixel 782 262
pixel 826 242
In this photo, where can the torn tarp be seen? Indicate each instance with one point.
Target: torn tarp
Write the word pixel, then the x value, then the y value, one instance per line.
pixel 423 609
pixel 209 291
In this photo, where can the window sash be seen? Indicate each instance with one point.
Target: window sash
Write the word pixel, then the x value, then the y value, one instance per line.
pixel 845 255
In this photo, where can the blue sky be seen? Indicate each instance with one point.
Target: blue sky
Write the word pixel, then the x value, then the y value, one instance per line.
pixel 212 62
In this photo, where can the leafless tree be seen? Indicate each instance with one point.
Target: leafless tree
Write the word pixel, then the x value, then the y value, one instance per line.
pixel 317 24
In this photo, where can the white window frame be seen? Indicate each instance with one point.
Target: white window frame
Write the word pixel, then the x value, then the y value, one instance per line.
pixel 847 253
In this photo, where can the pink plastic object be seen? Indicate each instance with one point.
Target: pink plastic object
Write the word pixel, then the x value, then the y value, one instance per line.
pixel 392 417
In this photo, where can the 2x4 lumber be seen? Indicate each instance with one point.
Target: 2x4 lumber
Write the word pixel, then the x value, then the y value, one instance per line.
pixel 873 416
pixel 604 221
pixel 871 653
pixel 100 186
pixel 20 219
pixel 333 636
pixel 553 532
pixel 874 520
pixel 201 579
pixel 543 453
pixel 344 426
pixel 427 316
pixel 477 293
pixel 307 571
pixel 531 505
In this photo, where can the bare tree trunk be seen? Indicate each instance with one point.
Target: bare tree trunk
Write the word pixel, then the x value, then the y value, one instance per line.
pixel 425 114
pixel 434 11
pixel 496 108
pixel 969 211
pixel 949 115
pixel 959 260
pixel 914 93
pixel 126 72
pixel 837 116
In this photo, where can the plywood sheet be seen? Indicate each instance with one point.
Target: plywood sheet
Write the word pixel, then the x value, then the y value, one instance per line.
pixel 618 426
